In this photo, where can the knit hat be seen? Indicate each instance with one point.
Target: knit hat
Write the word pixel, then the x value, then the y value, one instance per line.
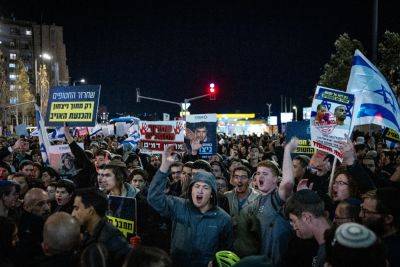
pixel 354 235
pixel 205 177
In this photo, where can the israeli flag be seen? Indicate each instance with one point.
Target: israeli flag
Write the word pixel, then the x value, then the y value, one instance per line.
pixel 57 134
pixel 43 138
pixel 95 130
pixel 375 102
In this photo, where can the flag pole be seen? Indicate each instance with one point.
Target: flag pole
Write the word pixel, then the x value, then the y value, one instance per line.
pixel 332 173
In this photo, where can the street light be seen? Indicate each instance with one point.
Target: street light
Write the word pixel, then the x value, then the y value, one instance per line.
pixel 81 81
pixel 295 113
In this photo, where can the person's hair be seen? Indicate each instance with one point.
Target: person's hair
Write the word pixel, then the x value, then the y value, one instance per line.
pixel 304 160
pixel 338 255
pixel 353 186
pixel 67 184
pixel 24 163
pixel 5 166
pixel 52 172
pixel 389 153
pixel 176 164
pixel 7 229
pixel 352 210
pixel 387 202
pixel 200 125
pixel 242 168
pixel 188 164
pixel 103 153
pixel 147 257
pixel 94 255
pixel 140 172
pixel 91 197
pixel 270 165
pixel 7 189
pixel 305 201
pixel 359 147
pixel 119 172
pixel 201 164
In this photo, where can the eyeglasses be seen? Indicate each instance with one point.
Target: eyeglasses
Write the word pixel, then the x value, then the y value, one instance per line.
pixel 365 211
pixel 340 183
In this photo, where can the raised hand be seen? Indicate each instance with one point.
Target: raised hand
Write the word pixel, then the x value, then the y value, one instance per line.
pixel 189 134
pixel 167 158
pixel 349 153
pixel 292 145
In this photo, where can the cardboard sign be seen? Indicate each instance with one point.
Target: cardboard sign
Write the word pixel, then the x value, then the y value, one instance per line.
pixel 155 135
pixel 21 130
pixel 75 105
pixel 122 214
pixel 331 117
pixel 204 128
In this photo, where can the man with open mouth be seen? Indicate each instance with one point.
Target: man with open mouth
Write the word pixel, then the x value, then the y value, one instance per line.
pixel 200 227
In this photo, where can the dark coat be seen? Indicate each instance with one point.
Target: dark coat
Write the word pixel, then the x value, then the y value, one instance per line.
pixel 112 239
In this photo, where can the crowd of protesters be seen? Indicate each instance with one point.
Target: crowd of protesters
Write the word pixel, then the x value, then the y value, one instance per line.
pixel 254 203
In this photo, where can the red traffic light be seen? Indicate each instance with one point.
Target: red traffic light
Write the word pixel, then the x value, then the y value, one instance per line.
pixel 212 90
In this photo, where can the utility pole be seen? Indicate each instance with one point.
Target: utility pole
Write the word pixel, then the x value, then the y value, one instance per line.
pixel 269 109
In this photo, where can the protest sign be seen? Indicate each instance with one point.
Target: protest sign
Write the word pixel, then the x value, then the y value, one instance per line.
pixel 331 117
pixel 391 135
pixel 154 135
pixel 75 105
pixel 62 160
pixel 122 214
pixel 202 127
pixel 301 130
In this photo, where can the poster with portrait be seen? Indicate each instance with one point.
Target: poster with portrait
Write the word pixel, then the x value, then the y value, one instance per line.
pixel 122 214
pixel 202 128
pixel 62 160
pixel 75 105
pixel 155 135
pixel 331 116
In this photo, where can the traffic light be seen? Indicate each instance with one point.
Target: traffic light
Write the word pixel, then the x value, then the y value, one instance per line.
pixel 212 91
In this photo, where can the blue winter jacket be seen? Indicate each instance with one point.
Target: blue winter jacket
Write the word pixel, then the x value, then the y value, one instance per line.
pixel 196 237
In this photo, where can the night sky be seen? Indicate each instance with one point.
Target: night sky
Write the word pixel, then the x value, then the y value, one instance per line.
pixel 253 50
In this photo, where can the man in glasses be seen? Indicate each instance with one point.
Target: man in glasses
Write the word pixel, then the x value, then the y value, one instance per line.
pixel 380 211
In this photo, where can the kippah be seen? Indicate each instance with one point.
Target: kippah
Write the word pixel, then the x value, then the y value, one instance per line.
pixel 354 235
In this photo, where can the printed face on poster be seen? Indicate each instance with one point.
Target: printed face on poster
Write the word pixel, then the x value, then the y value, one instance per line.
pixel 75 105
pixel 331 117
pixel 202 128
pixel 155 135
pixel 62 160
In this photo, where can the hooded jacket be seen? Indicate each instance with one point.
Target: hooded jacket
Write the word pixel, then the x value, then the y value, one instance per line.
pixel 196 236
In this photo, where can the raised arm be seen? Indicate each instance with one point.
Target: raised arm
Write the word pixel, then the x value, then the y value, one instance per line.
pixel 163 204
pixel 287 183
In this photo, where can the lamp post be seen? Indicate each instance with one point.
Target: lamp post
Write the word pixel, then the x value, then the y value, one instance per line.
pixel 45 57
pixel 81 81
pixel 295 113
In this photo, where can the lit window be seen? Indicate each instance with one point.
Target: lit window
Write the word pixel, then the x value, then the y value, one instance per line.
pixel 11 65
pixel 28 32
pixel 13 56
pixel 13 76
pixel 12 87
pixel 1 42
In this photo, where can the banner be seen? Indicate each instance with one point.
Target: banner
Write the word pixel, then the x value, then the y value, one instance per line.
pixel 75 105
pixel 122 214
pixel 202 127
pixel 375 101
pixel 300 129
pixel 331 116
pixel 154 135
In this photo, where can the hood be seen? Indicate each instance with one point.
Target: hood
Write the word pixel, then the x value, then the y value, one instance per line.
pixel 207 178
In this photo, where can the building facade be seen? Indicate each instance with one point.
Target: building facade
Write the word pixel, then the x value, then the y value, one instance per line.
pixel 27 42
